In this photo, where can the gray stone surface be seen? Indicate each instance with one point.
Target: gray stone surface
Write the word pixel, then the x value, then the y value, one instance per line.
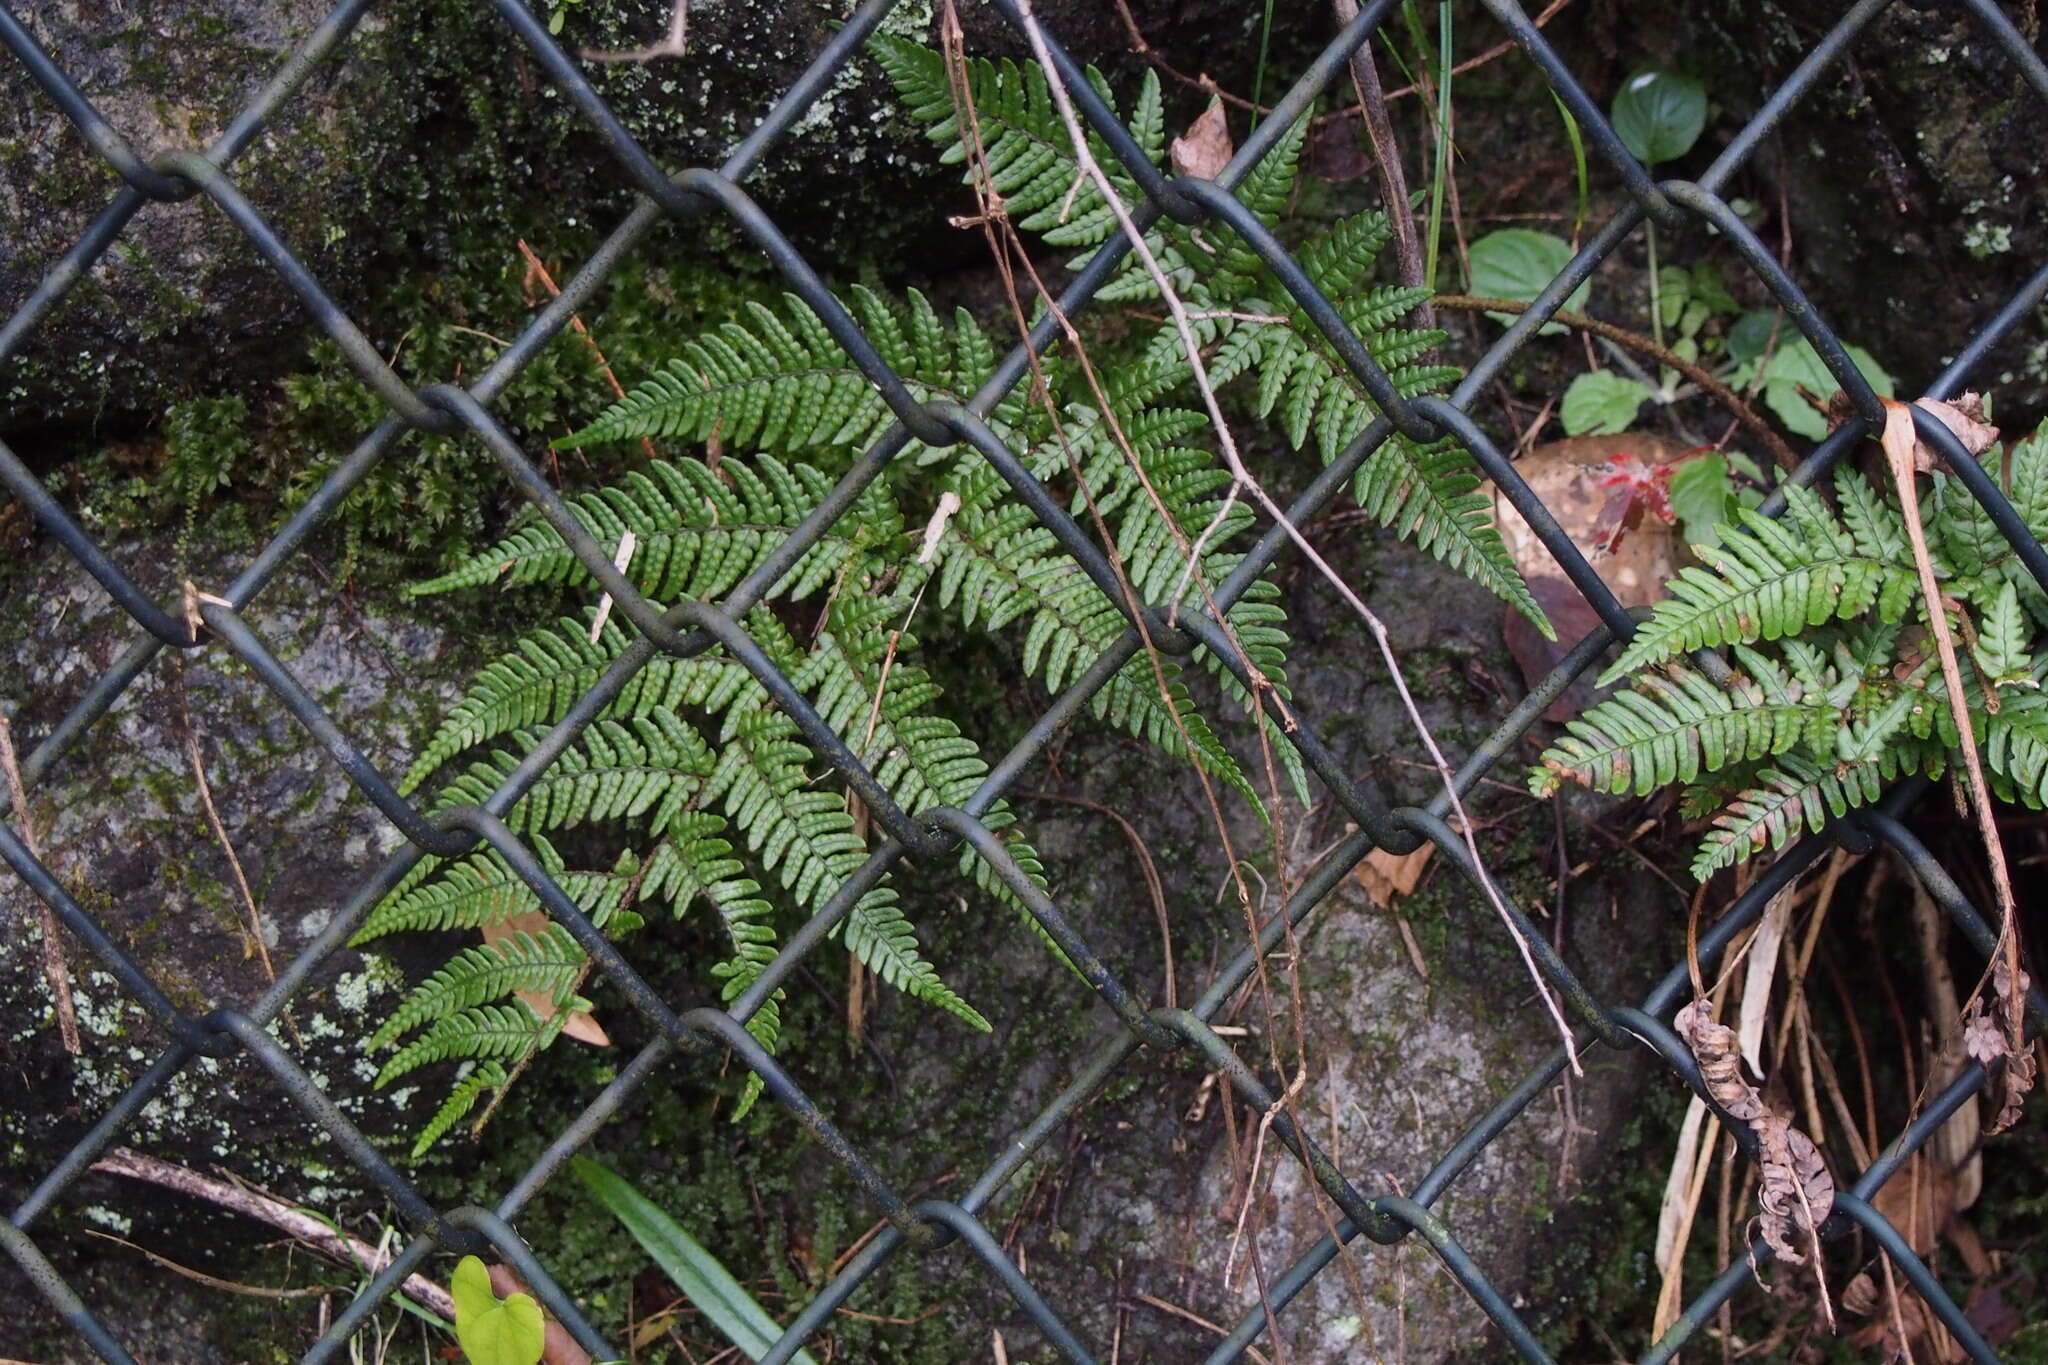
pixel 432 135
pixel 1142 1194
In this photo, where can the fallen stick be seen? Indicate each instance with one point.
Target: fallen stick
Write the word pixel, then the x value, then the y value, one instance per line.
pixel 301 1226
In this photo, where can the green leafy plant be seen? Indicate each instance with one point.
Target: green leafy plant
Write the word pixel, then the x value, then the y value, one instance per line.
pixel 491 1330
pixel 1837 687
pixel 1689 301
pixel 697 1275
pixel 723 811
pixel 1519 264
pixel 1659 115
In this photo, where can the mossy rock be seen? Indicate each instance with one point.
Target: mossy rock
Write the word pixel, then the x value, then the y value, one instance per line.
pixel 430 145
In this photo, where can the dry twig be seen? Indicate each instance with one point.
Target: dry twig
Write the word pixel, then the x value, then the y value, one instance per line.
pixel 672 44
pixel 301 1226
pixel 58 974
pixel 1386 155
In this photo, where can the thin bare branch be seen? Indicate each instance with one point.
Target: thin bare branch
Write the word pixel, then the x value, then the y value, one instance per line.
pixel 297 1224
pixel 674 44
pixel 54 969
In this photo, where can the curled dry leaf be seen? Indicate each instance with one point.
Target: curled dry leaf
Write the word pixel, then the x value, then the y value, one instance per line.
pixel 1204 149
pixel 1386 877
pixel 1965 420
pixel 1860 1295
pixel 1796 1193
pixel 2020 1067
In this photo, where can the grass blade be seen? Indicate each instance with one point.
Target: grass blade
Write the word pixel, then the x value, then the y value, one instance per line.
pixel 695 1272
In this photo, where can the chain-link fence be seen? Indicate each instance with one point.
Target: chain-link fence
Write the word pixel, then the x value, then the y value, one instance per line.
pixel 706 1035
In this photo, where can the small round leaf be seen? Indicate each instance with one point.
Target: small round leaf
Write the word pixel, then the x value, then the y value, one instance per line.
pixel 1659 115
pixel 1602 403
pixel 1519 264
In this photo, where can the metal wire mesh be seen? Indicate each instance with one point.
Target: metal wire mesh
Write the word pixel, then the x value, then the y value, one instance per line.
pixel 704 1035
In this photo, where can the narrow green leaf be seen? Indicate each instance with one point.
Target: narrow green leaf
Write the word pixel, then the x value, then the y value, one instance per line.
pixel 695 1272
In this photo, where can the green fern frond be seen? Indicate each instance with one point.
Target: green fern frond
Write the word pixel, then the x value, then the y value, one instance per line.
pixel 2016 746
pixel 548 671
pixel 1794 797
pixel 877 933
pixel 2025 479
pixel 694 862
pixel 2003 636
pixel 468 1090
pixel 1670 727
pixel 1029 156
pixel 1430 494
pixel 1779 578
pixel 696 534
pixel 650 765
pixel 1874 524
pixel 481 889
pixel 546 963
pixel 779 383
pixel 485 1033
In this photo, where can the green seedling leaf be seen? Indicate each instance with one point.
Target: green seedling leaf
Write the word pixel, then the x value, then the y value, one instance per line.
pixel 1518 263
pixel 1750 337
pixel 695 1272
pixel 1702 497
pixel 491 1330
pixel 1794 367
pixel 1659 115
pixel 1603 403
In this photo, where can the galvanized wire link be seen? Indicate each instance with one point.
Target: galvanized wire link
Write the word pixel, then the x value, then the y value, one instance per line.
pixel 700 1036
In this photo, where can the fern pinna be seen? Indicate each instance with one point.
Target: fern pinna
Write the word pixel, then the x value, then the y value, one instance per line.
pixel 713 790
pixel 1837 686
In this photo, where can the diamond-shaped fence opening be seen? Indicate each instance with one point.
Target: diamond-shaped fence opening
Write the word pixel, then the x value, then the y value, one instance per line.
pixel 704 1035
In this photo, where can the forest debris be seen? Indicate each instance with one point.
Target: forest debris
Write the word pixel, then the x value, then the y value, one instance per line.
pixel 1204 149
pixel 619 562
pixel 1796 1193
pixel 1386 877
pixel 305 1230
pixel 1986 1041
pixel 1964 417
pixel 2008 980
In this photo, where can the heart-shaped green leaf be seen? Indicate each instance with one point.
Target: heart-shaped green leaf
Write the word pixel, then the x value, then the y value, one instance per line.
pixel 1602 403
pixel 1517 263
pixel 1659 115
pixel 491 1330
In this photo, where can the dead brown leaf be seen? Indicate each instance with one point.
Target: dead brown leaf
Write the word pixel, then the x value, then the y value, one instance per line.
pixel 1567 476
pixel 1796 1193
pixel 582 1025
pixel 1965 420
pixel 1386 877
pixel 1336 152
pixel 1205 148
